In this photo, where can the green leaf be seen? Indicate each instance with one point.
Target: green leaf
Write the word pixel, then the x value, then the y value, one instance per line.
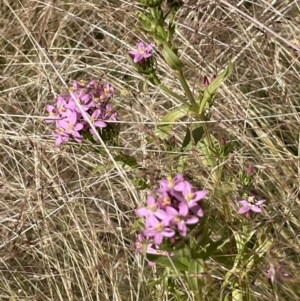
pixel 212 247
pixel 206 156
pixel 183 255
pixel 103 167
pixel 237 295
pixel 171 58
pixel 169 262
pixel 137 226
pixel 140 184
pixel 160 32
pixel 195 275
pixel 215 84
pixel 197 134
pixel 126 160
pixel 145 21
pixel 162 131
pixel 182 161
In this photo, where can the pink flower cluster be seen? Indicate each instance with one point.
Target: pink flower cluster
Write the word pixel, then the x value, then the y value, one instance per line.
pixel 169 214
pixel 93 98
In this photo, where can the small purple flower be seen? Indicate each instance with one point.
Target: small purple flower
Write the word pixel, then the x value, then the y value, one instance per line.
pixel 157 229
pixel 250 205
pixel 61 104
pixel 67 113
pixel 249 170
pixel 108 113
pixel 150 249
pixel 142 52
pixel 84 99
pixel 53 114
pixel 97 123
pixel 207 82
pixel 151 209
pixel 191 196
pixel 164 200
pixel 107 92
pixel 223 141
pixel 78 85
pixel 167 185
pixel 142 244
pixel 181 218
pixel 276 274
pixel 71 125
pixel 60 135
pixel 197 210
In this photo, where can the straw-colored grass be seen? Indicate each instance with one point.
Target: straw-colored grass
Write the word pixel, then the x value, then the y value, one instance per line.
pixel 66 212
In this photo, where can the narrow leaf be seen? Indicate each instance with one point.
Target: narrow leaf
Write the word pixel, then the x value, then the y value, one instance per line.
pixel 215 84
pixel 162 131
pixel 197 134
pixel 195 274
pixel 171 58
pixel 169 262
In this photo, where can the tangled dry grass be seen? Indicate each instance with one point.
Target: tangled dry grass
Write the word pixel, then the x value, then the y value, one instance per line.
pixel 66 213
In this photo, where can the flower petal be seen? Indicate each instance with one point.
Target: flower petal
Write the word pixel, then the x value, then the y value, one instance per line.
pixel 143 211
pixel 197 210
pixel 182 228
pixel 200 195
pixel 255 208
pixel 183 209
pixel 158 238
pixel 244 209
pixel 192 220
pixel 167 232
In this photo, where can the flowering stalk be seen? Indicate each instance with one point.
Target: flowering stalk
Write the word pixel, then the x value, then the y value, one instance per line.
pixel 187 90
pixel 153 22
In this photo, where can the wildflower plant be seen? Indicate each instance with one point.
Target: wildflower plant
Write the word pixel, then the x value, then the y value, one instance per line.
pixel 173 228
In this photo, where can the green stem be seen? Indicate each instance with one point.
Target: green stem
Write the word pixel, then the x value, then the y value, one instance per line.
pixel 226 208
pixel 187 90
pixel 199 296
pixel 173 94
pixel 158 83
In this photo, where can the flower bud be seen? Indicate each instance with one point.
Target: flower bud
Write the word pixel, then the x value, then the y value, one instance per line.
pixel 223 141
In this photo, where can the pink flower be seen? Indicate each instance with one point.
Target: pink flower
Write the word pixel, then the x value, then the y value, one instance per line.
pixel 108 113
pixel 60 135
pixel 250 205
pixel 276 274
pixel 94 120
pixel 61 104
pixel 151 209
pixel 158 229
pixel 107 92
pixel 142 244
pixel 53 114
pixel 142 52
pixel 181 218
pixel 190 194
pixel 71 126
